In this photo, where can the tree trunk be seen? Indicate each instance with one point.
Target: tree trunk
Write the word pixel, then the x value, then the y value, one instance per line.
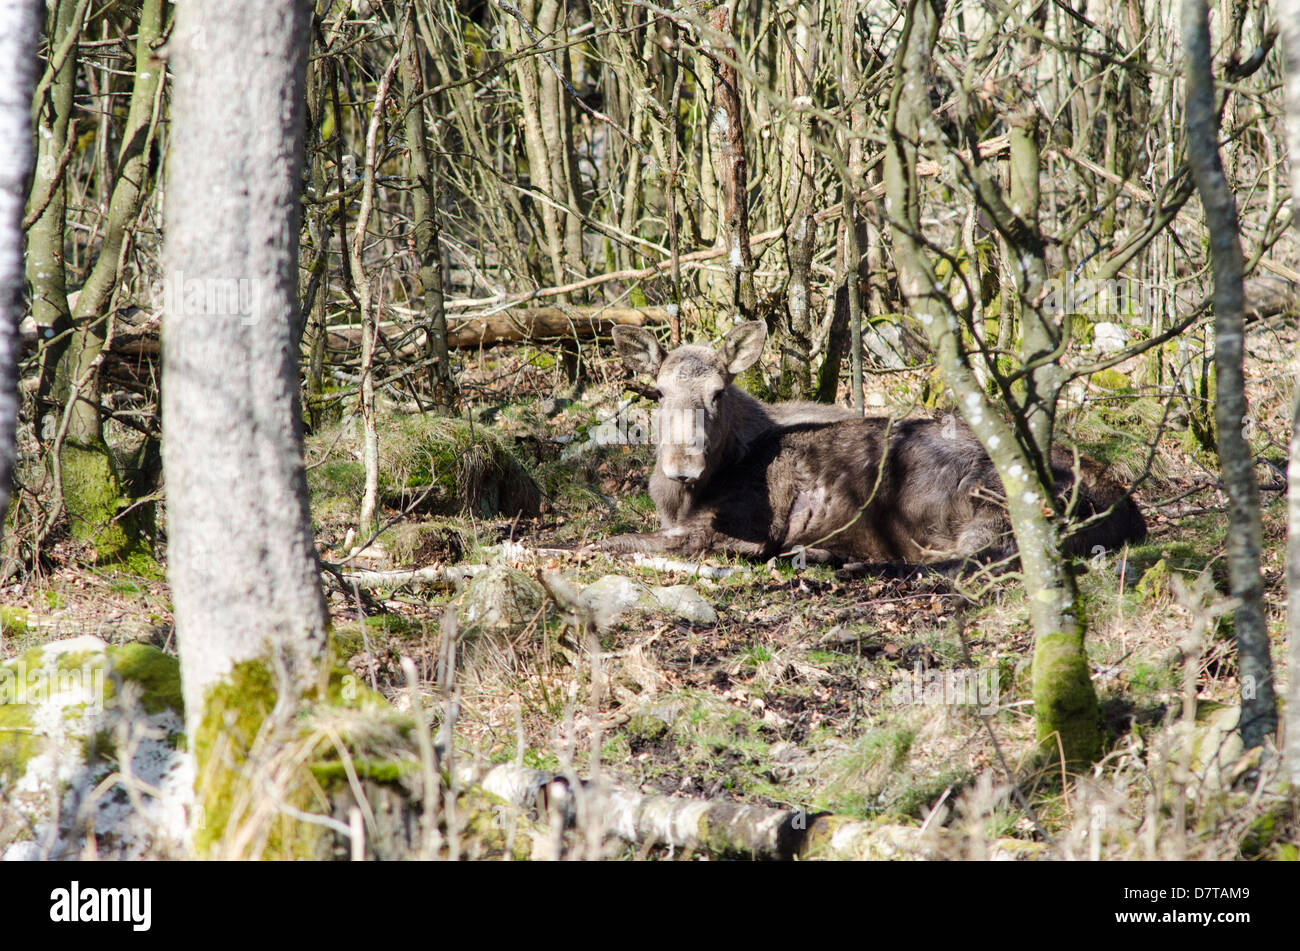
pixel 17 79
pixel 241 561
pixel 1289 19
pixel 851 175
pixel 797 177
pixel 1254 661
pixel 425 235
pixel 1065 704
pixel 727 127
pixel 45 212
pixel 368 519
pixel 540 167
pixel 91 481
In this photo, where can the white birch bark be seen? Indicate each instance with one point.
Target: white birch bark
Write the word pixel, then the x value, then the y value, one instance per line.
pixel 17 79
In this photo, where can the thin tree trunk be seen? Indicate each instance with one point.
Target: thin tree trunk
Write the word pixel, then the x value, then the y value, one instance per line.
pixel 797 177
pixel 852 178
pixel 91 483
pixel 672 185
pixel 45 265
pixel 727 124
pixel 557 132
pixel 528 74
pixel 1289 19
pixel 316 299
pixel 17 80
pixel 424 212
pixel 368 305
pixel 1254 661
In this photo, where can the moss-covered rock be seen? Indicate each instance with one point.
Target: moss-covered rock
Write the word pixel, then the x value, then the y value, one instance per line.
pixel 13 622
pixel 425 543
pixel 1154 583
pixel 451 466
pixel 264 765
pixel 74 713
pixel 498 599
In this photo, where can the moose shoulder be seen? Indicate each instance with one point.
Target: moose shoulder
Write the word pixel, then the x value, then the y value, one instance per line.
pixel 738 475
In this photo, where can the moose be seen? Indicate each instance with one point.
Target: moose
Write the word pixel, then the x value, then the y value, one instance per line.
pixel 740 476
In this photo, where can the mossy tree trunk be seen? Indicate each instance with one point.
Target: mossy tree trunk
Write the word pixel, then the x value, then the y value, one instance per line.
pixel 1237 461
pixel 90 481
pixel 1065 704
pixel 92 484
pixel 17 79
pixel 241 560
pixel 51 114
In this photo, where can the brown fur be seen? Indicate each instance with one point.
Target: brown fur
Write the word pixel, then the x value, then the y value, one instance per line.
pixel 759 479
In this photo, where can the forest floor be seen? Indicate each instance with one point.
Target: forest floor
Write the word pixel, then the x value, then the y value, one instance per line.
pixel 898 700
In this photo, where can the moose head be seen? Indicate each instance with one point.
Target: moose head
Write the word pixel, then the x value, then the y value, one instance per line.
pixel 696 398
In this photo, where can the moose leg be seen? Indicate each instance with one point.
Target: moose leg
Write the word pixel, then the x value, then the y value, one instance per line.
pixel 685 541
pixel 813 556
pixel 643 542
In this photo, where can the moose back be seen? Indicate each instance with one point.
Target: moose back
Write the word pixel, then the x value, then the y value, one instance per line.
pixel 733 474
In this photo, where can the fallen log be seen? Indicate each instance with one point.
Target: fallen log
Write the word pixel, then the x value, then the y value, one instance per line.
pixel 523 323
pixel 721 828
pixel 541 323
pixel 139 337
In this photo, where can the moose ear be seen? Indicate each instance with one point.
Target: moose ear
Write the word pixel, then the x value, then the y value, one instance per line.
pixel 639 349
pixel 742 347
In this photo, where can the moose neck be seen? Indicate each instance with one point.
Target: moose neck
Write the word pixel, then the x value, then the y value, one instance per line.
pixel 741 420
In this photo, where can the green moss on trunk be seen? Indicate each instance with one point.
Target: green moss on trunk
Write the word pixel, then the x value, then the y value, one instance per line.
pixel 92 497
pixel 1065 703
pixel 233 733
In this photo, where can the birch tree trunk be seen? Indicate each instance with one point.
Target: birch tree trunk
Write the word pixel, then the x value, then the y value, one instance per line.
pixel 727 127
pixel 17 79
pixel 1288 13
pixel 798 181
pixel 1254 662
pixel 241 559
